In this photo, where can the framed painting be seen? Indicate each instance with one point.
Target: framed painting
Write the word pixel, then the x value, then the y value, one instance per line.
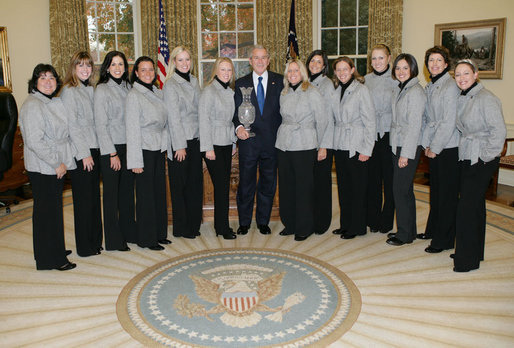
pixel 5 70
pixel 482 41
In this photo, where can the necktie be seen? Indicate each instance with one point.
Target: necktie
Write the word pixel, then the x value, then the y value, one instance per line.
pixel 260 95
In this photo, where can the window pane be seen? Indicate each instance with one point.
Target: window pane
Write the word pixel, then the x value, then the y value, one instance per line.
pixel 362 65
pixel 228 45
pixel 348 13
pixel 124 18
pixel 91 16
pixel 363 12
pixel 328 13
pixel 93 47
pixel 242 68
pixel 106 43
pixel 347 41
pixel 363 41
pixel 206 71
pixel 245 17
pixel 245 44
pixel 227 17
pixel 126 45
pixel 209 46
pixel 329 41
pixel 209 18
pixel 105 17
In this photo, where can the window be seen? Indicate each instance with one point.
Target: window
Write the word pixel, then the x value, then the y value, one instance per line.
pixel 344 30
pixel 111 27
pixel 226 29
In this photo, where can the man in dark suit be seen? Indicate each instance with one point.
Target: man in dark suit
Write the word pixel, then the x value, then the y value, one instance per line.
pixel 258 151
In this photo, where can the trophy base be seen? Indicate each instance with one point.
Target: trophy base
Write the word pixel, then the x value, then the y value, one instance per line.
pixel 250 133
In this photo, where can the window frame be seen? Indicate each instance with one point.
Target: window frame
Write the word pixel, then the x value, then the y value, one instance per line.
pixel 201 60
pixel 136 25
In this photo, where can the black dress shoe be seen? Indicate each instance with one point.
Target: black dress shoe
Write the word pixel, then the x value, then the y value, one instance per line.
pixel 452 256
pixel 347 236
pixel 164 241
pixel 67 266
pixel 156 247
pixel 100 248
pixel 67 252
pixel 243 230
pixel 339 231
pixel 462 270
pixel 189 236
pixel 422 236
pixel 300 238
pixel 391 235
pixel 228 235
pixel 285 232
pixel 264 229
pixel 125 248
pixel 396 242
pixel 431 250
pixel 177 235
pixel 374 230
pixel 197 233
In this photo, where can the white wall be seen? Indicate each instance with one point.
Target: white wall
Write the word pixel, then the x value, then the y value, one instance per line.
pixel 28 35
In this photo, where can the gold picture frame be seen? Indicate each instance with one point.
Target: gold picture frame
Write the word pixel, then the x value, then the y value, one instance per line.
pixel 5 66
pixel 482 41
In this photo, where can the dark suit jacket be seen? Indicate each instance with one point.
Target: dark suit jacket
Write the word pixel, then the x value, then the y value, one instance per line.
pixel 266 125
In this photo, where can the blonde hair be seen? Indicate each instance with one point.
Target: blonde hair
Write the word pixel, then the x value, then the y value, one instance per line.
pixel 171 63
pixel 303 72
pixel 71 78
pixel 217 63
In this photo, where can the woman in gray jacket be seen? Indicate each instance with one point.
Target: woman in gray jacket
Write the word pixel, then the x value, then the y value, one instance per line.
pixel 406 128
pixel 317 64
pixel 440 141
pixel 302 138
pixel 482 135
pixel 147 139
pixel 181 93
pixel 354 137
pixel 47 154
pixel 118 182
pixel 77 96
pixel 380 212
pixel 215 111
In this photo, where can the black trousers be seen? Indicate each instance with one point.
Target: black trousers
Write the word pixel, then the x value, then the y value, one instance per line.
pixel 186 188
pixel 323 193
pixel 87 215
pixel 380 211
pixel 219 170
pixel 444 195
pixel 404 200
pixel 248 187
pixel 151 210
pixel 352 178
pixel 47 221
pixel 470 235
pixel 296 190
pixel 118 202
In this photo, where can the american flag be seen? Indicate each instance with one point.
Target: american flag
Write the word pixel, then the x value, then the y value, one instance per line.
pixel 292 42
pixel 163 55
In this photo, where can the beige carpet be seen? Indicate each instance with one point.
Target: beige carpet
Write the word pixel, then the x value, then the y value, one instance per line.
pixel 409 298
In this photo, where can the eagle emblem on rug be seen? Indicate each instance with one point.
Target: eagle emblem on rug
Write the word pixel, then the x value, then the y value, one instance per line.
pixel 239 292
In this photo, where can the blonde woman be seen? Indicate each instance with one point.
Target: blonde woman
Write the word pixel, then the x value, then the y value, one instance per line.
pixel 302 139
pixel 181 94
pixel 216 110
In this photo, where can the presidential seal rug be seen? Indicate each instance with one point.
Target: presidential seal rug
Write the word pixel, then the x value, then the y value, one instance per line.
pixel 239 298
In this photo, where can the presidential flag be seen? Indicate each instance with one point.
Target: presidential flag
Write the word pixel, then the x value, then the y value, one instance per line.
pixel 163 55
pixel 292 42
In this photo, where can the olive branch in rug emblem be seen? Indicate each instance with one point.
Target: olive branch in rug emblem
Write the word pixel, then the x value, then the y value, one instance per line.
pixel 239 292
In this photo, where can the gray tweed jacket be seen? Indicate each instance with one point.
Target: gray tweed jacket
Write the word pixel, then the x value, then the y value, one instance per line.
pixel 109 109
pixel 215 112
pixel 480 121
pixel 407 121
pixel 181 99
pixel 146 121
pixel 381 88
pixel 440 130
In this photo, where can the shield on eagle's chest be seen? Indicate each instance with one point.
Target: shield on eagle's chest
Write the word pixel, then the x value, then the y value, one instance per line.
pixel 239 302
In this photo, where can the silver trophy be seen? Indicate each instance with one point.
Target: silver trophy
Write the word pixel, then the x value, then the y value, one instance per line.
pixel 246 111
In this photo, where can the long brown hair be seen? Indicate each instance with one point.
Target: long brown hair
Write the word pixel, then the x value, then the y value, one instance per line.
pixel 350 62
pixel 71 78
